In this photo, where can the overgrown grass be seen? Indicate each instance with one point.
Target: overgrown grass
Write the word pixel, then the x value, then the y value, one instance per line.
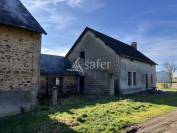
pixel 92 114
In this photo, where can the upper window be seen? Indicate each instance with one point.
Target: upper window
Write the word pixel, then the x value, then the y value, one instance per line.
pixel 82 55
pixel 129 78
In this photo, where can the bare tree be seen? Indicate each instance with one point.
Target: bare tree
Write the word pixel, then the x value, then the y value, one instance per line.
pixel 170 68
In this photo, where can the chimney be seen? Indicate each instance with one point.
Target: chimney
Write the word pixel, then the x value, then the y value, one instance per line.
pixel 134 45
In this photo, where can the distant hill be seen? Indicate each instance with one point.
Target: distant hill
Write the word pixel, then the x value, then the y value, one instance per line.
pixel 163 77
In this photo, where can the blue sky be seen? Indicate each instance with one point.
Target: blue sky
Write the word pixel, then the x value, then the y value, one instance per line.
pixel 152 23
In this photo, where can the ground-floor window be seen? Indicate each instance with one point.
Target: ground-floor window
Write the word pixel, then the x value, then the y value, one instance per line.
pixel 132 78
pixel 129 78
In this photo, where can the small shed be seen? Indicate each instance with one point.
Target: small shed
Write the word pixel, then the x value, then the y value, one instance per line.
pixel 55 72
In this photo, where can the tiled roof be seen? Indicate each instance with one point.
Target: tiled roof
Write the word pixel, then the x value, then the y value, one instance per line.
pixel 119 47
pixel 52 65
pixel 13 13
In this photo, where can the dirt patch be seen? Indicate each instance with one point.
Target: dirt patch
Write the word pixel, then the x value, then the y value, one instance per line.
pixel 162 124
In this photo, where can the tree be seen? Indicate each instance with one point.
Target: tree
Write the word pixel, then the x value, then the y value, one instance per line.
pixel 170 68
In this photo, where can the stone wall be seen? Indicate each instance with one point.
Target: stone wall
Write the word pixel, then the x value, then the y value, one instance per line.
pixel 19 61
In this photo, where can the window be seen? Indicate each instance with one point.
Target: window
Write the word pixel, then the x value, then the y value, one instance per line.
pixel 151 79
pixel 134 78
pixel 129 78
pixel 82 55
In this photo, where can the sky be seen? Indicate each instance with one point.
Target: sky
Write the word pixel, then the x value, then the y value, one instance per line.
pixel 151 23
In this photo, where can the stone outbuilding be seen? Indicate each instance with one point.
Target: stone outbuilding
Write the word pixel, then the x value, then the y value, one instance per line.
pixel 110 66
pixel 20 47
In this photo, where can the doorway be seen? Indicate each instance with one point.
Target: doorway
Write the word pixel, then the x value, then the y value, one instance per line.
pixel 116 87
pixel 147 86
pixel 60 91
pixel 82 84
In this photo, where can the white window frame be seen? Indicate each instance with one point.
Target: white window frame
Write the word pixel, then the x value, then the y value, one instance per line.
pixel 132 79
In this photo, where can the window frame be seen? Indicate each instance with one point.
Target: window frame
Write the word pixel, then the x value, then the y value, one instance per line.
pixel 82 55
pixel 129 78
pixel 134 78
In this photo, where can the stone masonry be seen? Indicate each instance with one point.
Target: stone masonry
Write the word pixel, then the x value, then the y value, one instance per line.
pixel 19 62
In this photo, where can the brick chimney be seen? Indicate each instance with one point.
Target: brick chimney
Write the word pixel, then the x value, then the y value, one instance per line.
pixel 134 45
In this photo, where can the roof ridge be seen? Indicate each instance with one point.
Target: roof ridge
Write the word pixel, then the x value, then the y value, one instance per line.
pixel 14 13
pixel 53 55
pixel 122 43
pixel 119 47
pixel 108 36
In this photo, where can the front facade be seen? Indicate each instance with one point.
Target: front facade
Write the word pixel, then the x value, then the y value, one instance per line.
pixel 129 71
pixel 20 47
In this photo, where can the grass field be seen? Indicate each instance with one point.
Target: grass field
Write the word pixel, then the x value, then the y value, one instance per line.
pixel 92 114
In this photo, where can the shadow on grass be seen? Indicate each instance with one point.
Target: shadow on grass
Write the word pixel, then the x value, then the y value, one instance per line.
pixel 80 101
pixel 33 123
pixel 38 121
pixel 161 98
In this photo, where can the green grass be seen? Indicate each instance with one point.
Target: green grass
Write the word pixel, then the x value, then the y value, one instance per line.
pixel 92 114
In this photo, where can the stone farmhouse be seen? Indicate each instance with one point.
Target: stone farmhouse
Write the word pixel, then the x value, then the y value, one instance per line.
pixel 20 47
pixel 129 70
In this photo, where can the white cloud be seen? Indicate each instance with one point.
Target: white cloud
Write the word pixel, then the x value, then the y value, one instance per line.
pixel 38 4
pixel 83 4
pixel 53 14
pixel 89 5
pixel 48 15
pixel 74 3
pixel 59 21
pixel 60 51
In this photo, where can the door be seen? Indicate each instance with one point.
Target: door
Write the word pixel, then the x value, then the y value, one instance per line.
pixel 61 91
pixel 147 81
pixel 82 84
pixel 116 87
